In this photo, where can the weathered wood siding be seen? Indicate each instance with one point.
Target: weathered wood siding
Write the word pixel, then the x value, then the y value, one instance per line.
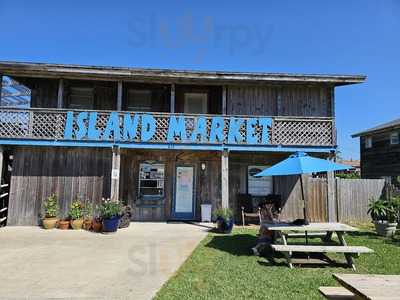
pixel 307 101
pixel 354 195
pixel 383 159
pixel 68 172
pixel 286 186
pixel 207 183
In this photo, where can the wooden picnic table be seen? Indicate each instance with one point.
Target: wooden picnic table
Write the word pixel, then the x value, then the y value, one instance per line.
pixel 327 229
pixel 373 287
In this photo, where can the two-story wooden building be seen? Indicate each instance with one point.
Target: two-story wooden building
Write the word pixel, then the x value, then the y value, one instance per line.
pixel 163 141
pixel 380 151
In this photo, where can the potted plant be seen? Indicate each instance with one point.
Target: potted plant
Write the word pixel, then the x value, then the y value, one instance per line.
pixel 76 214
pixel 110 213
pixel 384 215
pixel 63 224
pixel 88 216
pixel 50 212
pixel 224 219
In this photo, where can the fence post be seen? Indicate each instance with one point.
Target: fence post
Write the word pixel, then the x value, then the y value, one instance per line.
pixel 331 201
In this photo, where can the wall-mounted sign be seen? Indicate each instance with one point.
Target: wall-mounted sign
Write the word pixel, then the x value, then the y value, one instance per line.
pixel 258 186
pixel 129 127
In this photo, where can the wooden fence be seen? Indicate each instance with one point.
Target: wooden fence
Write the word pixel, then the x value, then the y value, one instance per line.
pixel 349 198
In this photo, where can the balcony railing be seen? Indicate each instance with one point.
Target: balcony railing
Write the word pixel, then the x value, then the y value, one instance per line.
pixel 50 125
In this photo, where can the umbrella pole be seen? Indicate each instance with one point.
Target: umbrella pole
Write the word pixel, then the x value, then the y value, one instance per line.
pixel 305 205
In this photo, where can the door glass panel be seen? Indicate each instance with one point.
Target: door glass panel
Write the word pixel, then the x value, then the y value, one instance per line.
pixel 184 190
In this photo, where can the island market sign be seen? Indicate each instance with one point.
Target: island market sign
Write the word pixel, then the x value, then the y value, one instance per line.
pixel 143 128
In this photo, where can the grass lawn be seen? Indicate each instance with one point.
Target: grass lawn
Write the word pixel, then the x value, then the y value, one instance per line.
pixel 223 267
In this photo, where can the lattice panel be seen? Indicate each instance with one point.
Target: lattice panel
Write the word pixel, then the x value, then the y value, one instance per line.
pixel 300 132
pixel 14 124
pixel 50 125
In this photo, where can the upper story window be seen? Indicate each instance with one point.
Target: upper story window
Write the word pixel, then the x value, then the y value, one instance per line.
pixel 195 103
pixel 394 138
pixel 139 100
pixel 14 93
pixel 81 98
pixel 368 142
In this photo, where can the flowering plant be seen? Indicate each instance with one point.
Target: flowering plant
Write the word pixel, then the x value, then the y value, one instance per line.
pixel 76 210
pixel 109 209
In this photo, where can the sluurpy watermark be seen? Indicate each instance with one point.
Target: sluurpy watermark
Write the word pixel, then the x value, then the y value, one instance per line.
pixel 202 34
pixel 152 259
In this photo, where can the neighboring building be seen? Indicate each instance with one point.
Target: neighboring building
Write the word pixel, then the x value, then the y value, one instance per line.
pixel 380 151
pixel 353 163
pixel 162 141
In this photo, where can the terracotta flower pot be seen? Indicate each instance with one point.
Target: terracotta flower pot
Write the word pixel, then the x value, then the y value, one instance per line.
pixel 49 223
pixel 87 224
pixel 97 225
pixel 76 224
pixel 63 224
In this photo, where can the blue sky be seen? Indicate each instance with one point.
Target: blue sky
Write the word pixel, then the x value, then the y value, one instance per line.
pixel 345 37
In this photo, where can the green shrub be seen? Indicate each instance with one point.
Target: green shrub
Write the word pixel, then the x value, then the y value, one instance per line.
pixel 224 213
pixel 76 210
pixel 383 210
pixel 51 206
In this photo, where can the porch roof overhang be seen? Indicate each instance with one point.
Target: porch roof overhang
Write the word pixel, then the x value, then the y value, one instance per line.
pixel 48 70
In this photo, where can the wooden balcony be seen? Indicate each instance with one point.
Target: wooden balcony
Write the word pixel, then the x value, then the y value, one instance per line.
pixel 50 127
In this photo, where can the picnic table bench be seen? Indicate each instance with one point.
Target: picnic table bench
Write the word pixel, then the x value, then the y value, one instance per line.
pixel 364 286
pixel 323 230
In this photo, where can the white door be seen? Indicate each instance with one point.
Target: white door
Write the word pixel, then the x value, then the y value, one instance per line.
pixel 183 204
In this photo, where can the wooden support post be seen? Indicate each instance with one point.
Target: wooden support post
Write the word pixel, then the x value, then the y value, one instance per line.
pixel 115 173
pixel 60 96
pixel 225 179
pixel 172 103
pixel 1 165
pixel 119 96
pixel 224 102
pixel 331 201
pixel 1 87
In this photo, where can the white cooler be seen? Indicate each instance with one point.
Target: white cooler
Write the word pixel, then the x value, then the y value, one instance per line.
pixel 206 212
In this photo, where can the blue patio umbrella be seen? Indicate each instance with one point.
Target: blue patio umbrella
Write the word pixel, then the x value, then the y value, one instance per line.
pixel 301 163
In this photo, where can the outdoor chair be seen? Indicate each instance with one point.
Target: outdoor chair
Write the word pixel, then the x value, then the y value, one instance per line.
pixel 248 210
pixel 270 208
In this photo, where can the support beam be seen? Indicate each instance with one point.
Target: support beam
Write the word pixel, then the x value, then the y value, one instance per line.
pixel 224 101
pixel 225 179
pixel 172 103
pixel 115 173
pixel 119 96
pixel 60 96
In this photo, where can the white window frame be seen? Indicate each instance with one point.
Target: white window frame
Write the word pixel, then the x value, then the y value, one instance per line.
pixel 368 142
pixel 394 138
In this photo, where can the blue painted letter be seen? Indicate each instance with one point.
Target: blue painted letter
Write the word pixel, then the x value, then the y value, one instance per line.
pixel 148 127
pixel 112 125
pixel 130 128
pixel 200 128
pixel 69 125
pixel 265 122
pixel 217 130
pixel 250 131
pixel 82 130
pixel 234 135
pixel 93 132
pixel 176 128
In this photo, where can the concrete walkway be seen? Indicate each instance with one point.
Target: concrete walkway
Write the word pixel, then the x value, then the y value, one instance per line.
pixel 131 264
